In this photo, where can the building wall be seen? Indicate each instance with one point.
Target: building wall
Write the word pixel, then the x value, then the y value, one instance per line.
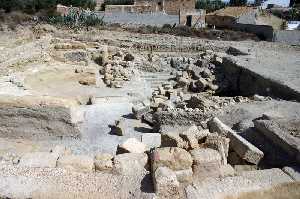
pixel 198 17
pixel 173 6
pixel 128 8
pixel 248 18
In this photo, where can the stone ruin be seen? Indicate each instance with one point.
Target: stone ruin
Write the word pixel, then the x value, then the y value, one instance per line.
pixel 88 117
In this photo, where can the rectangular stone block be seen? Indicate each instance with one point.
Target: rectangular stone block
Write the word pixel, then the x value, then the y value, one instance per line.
pixel 241 146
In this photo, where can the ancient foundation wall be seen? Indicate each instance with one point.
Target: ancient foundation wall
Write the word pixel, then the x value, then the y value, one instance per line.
pixel 245 82
pixel 36 117
pixel 287 36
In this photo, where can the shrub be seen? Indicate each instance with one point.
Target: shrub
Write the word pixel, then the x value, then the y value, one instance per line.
pixel 33 6
pixel 210 5
pixel 75 19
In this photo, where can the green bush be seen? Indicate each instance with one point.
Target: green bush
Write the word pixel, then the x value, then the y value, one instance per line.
pixel 77 20
pixel 210 5
pixel 32 6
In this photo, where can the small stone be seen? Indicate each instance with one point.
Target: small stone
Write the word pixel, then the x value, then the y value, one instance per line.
pixel 103 162
pixel 131 145
pixel 128 57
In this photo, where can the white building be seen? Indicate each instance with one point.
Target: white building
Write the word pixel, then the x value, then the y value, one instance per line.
pixel 281 3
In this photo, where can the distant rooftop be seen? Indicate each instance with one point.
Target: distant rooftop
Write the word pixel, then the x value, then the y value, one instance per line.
pixel 232 11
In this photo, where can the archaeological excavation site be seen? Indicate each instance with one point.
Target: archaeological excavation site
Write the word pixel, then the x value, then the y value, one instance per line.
pixel 111 113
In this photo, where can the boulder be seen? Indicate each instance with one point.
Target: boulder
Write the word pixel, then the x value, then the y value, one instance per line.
pixel 166 184
pixel 118 128
pixel 151 140
pixel 130 163
pixel 140 110
pixel 103 162
pixel 131 145
pixel 80 163
pixel 39 160
pixel 172 157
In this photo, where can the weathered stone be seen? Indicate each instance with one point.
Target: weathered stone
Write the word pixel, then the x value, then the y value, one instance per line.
pixel 184 176
pixel 241 146
pixel 191 135
pixel 226 170
pixel 166 184
pixel 148 118
pixel 206 162
pixel 172 139
pixel 151 140
pixel 118 128
pixel 219 143
pixel 172 157
pixel 140 110
pixel 39 160
pixel 103 162
pixel 87 79
pixel 37 117
pixel 287 142
pixel 293 172
pixel 128 57
pixel 131 145
pixel 130 163
pixel 80 163
pixel 236 51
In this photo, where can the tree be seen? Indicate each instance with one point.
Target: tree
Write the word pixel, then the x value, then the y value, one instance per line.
pixel 238 2
pixel 210 5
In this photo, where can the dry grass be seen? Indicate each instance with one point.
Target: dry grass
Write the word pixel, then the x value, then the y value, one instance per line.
pixel 282 191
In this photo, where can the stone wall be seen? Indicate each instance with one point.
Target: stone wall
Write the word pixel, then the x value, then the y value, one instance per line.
pixel 37 117
pixel 287 36
pixel 126 18
pixel 128 8
pixel 248 18
pixel 197 16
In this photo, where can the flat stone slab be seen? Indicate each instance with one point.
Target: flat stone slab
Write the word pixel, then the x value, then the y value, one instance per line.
pixel 241 146
pixel 20 182
pixel 39 160
pixel 284 140
pixel 212 188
